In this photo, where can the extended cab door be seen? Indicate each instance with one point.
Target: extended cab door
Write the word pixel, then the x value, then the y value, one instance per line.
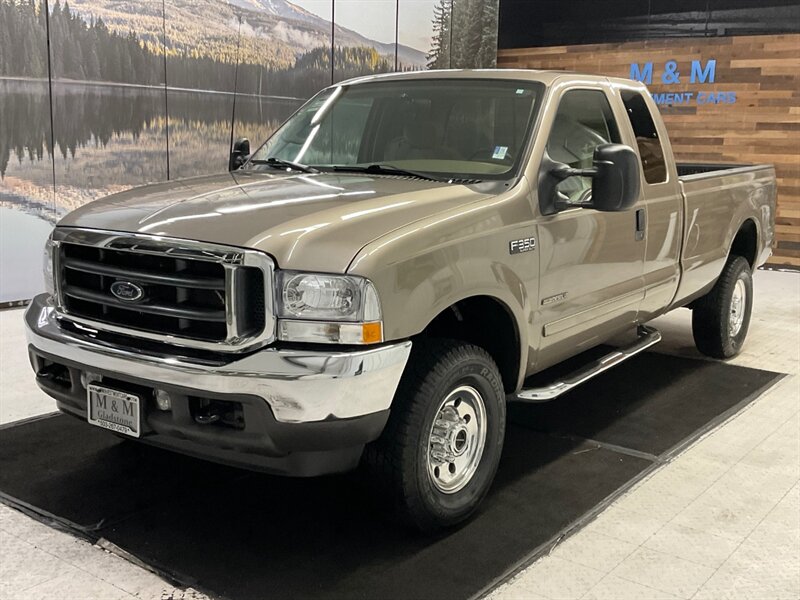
pixel 591 262
pixel 663 201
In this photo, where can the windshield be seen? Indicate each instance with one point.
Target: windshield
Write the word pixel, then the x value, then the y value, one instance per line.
pixel 445 128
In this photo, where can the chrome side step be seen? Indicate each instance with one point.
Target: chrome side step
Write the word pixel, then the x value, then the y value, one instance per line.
pixel 648 336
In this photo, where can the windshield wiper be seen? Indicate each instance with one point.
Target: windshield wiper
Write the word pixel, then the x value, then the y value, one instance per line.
pixel 279 162
pixel 384 170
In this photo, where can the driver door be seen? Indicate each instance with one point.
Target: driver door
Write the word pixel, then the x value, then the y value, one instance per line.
pixel 591 263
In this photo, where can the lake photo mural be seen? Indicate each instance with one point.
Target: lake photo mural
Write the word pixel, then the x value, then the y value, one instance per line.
pixel 27 211
pixel 140 91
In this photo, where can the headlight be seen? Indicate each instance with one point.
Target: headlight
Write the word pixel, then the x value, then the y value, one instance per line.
pixel 319 296
pixel 323 308
pixel 48 270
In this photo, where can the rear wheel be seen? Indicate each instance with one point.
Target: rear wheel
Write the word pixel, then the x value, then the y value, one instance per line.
pixel 720 319
pixel 439 452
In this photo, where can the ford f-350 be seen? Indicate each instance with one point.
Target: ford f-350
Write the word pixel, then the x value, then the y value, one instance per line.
pixel 376 281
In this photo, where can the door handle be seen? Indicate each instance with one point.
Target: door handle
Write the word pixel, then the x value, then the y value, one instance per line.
pixel 641 224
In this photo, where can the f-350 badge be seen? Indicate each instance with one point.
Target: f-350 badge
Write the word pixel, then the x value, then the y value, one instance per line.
pixel 523 245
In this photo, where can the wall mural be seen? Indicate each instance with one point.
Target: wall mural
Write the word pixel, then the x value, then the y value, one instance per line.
pixel 27 211
pixel 140 91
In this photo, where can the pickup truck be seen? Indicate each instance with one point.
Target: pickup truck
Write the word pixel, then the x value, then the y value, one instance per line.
pixel 374 283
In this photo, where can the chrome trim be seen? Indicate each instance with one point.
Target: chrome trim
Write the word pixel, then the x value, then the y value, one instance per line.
pixel 231 299
pixel 648 336
pixel 299 385
pixel 57 269
pixel 229 256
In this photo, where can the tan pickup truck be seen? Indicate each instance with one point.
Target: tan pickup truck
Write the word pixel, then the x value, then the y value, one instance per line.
pixel 378 279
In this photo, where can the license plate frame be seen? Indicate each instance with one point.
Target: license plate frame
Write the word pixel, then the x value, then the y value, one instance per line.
pixel 114 409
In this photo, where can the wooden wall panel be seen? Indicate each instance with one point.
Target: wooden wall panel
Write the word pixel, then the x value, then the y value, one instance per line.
pixel 762 126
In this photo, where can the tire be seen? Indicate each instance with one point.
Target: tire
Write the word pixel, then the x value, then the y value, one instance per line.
pixel 449 380
pixel 720 319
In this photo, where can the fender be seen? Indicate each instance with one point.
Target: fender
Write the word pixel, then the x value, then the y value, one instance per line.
pixel 424 268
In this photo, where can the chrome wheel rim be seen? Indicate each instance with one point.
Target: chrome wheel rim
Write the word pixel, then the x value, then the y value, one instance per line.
pixel 738 305
pixel 457 439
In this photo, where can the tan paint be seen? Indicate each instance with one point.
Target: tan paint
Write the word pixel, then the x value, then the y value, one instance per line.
pixel 428 245
pixel 716 205
pixel 306 222
pixel 589 254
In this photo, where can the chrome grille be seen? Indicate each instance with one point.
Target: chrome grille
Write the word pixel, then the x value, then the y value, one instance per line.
pixel 194 295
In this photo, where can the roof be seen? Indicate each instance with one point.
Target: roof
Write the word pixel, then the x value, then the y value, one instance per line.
pixel 544 76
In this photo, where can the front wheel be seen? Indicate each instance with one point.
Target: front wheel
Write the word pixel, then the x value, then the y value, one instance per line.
pixel 721 318
pixel 439 453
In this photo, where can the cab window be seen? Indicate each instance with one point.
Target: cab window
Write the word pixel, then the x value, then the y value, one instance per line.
pixel 583 122
pixel 651 151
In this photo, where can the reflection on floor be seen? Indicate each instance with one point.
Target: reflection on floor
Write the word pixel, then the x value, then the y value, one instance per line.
pixel 721 520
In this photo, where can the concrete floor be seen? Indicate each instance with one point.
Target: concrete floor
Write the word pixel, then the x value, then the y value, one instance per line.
pixel 722 520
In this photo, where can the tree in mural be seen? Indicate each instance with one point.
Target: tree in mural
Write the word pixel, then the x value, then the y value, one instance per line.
pixel 22 39
pixel 439 56
pixel 464 34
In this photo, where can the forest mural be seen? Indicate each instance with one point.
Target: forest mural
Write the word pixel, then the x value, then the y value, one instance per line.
pixel 138 91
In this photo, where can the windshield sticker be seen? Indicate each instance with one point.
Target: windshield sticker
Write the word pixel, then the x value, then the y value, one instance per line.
pixel 500 152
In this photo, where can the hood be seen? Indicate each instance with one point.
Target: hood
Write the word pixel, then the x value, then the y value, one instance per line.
pixel 305 221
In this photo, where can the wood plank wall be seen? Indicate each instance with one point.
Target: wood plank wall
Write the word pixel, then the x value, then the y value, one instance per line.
pixel 762 126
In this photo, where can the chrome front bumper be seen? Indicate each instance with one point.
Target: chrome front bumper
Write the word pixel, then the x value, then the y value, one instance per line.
pixel 299 386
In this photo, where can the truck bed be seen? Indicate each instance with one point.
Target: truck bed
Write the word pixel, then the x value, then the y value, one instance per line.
pixel 716 196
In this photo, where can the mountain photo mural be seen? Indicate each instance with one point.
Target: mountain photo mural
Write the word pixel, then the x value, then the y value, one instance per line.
pixel 140 91
pixel 27 211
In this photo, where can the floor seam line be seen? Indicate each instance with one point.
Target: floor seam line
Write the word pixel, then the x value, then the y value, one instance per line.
pixel 654 458
pixel 608 446
pixel 614 568
pixel 650 587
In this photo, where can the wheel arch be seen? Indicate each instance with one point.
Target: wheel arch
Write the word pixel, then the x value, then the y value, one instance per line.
pixel 745 242
pixel 488 322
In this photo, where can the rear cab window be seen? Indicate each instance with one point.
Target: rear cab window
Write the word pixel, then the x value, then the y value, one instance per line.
pixel 651 151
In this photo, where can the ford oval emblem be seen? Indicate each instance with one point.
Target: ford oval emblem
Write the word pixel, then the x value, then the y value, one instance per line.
pixel 127 291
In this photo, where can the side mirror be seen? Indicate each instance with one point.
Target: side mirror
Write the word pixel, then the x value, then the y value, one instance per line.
pixel 615 186
pixel 615 180
pixel 239 154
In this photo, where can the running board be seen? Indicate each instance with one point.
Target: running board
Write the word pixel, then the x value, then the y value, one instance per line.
pixel 648 336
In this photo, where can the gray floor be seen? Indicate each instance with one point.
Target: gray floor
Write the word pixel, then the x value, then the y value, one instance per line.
pixel 720 521
pixel 723 519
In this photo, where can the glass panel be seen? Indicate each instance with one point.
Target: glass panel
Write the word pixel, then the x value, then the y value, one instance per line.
pixel 415 33
pixel 464 128
pixel 339 138
pixel 650 149
pixel 584 121
pixel 365 37
pixel 109 111
pixel 418 23
pixel 284 59
pixel 474 38
pixel 202 46
pixel 26 169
